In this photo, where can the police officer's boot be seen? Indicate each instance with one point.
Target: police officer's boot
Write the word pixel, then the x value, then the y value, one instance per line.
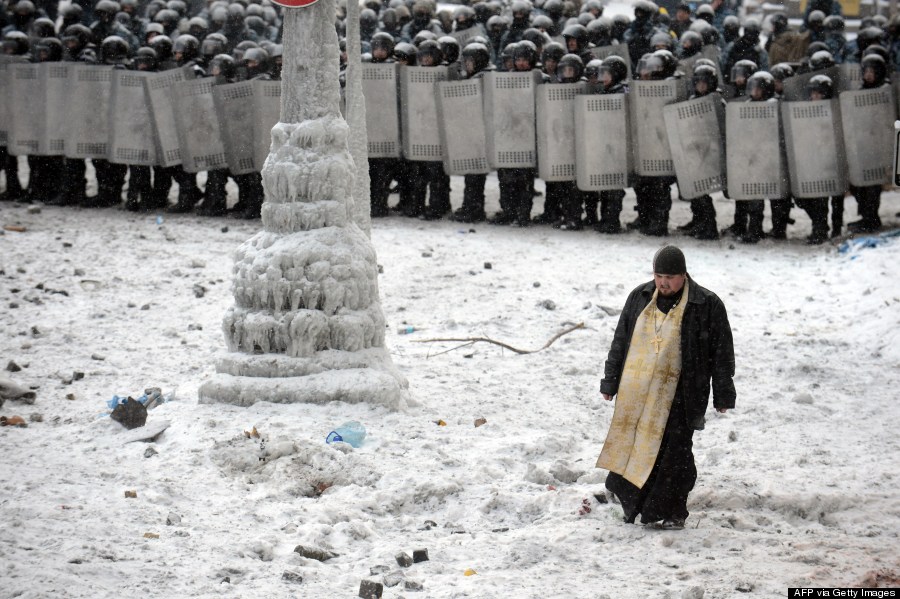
pixel 14 189
pixel 781 211
pixel 591 201
pixel 754 227
pixel 837 215
pixel 704 219
pixel 739 226
pixel 818 213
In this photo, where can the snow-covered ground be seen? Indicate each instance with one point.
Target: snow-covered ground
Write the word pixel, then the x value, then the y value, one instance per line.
pixel 797 486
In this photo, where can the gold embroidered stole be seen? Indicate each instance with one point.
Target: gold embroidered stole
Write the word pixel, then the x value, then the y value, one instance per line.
pixel 646 391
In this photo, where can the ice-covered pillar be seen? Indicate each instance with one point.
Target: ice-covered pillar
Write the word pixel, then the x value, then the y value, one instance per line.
pixel 356 118
pixel 306 324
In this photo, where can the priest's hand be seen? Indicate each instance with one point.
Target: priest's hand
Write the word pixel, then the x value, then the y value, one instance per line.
pixel 721 410
pixel 607 396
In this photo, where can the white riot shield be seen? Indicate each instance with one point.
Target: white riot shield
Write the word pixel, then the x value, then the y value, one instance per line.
pixel 620 50
pixel 421 137
pixel 851 76
pixel 509 119
pixel 199 133
pixel 88 118
pixel 131 136
pixel 555 105
pixel 236 109
pixel 466 34
pixel 756 164
pixel 5 95
pixel 815 148
pixel 26 99
pixel 379 84
pixel 696 131
pixel 867 117
pixel 268 113
pixel 603 155
pixel 55 77
pixel 649 136
pixel 795 87
pixel 461 121
pixel 162 105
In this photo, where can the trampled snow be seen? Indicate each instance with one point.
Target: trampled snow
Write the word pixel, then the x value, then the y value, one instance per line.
pixel 797 485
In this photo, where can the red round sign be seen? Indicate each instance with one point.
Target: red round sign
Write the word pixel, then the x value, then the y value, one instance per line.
pixel 294 3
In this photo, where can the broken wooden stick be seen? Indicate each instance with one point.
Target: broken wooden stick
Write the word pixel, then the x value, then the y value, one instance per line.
pixel 470 340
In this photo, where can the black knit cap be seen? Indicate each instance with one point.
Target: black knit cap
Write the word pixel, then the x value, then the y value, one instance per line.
pixel 669 260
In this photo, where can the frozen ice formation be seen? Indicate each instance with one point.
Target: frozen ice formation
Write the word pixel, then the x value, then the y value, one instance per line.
pixel 306 324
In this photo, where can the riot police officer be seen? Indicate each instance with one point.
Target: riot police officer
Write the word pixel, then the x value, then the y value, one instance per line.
pixel 613 75
pixel 819 87
pixel 110 176
pixel 868 198
pixel 569 70
pixel 139 197
pixel 476 60
pixel 381 170
pixel 432 191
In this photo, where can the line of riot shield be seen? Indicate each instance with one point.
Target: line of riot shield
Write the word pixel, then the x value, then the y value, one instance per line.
pixel 199 131
pixel 649 136
pixel 620 50
pixel 162 106
pixel 27 106
pixel 131 135
pixel 421 137
pixel 815 148
pixel 55 77
pixel 755 158
pixel 867 117
pixel 379 84
pixel 555 107
pixel 236 111
pixel 461 122
pixel 795 87
pixel 88 118
pixel 268 113
pixel 509 119
pixel 696 131
pixel 603 153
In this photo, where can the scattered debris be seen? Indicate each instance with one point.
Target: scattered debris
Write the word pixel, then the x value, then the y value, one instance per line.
pixel 732 436
pixel 470 340
pixel 172 519
pixel 34 209
pixel 97 357
pixel 197 263
pixel 536 284
pixel 150 452
pixel 70 396
pixel 803 398
pixel 480 421
pixel 14 228
pixel 370 590
pixel 289 576
pixel 320 555
pixel 199 290
pixel 131 414
pixel 601 497
pixel 13 421
pixel 403 559
pixel 469 572
pixel 77 375
pixel 426 254
pixel 488 266
pixel 420 555
pixel 130 494
pixel 147 433
pixel 440 423
pixel 547 304
pixel 252 434
pixel 393 579
pixel 13 367
pixel 36 417
pixel 224 229
pixel 744 587
pixel 413 585
pixel 12 390
pixel 585 508
pixel 151 535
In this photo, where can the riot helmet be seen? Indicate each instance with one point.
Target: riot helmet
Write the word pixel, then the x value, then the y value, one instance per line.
pixel 821 60
pixel 879 50
pixel 168 18
pixel 464 17
pixel 179 6
pixel 405 53
pixel 760 86
pixel 731 28
pixel 42 28
pixel 644 10
pixel 584 18
pixel 521 13
pixel 834 23
pixel 506 57
pixel 662 41
pixel 620 24
pixel 163 46
pixel 145 59
pixel 525 56
pixel 476 58
pixel 706 62
pixel 867 37
pixel 741 71
pixel 650 67
pixel 424 36
pixel 706 13
pixel 600 31
pixel 779 22
pixel 820 87
pixel 114 50
pixel 874 71
pixel 705 80
pixel 576 37
pixel 368 20
pixel 554 9
pixel 544 24
pixel 211 47
pixel 71 15
pixel 75 38
pixel 256 61
pixel 592 71
pixel 669 63
pixel 238 51
pixel 449 48
pixel 198 27
pixel 691 44
pixel 48 49
pixel 536 37
pixel 816 20
pixel 496 27
pixel 186 49
pixel 550 56
pixel 594 7
pixel 105 10
pixel 752 31
pixel 382 46
pixel 613 71
pixel 429 54
pixel 569 69
pixel 781 71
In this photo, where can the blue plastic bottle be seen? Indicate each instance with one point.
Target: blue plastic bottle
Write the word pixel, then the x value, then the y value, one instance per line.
pixel 351 432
